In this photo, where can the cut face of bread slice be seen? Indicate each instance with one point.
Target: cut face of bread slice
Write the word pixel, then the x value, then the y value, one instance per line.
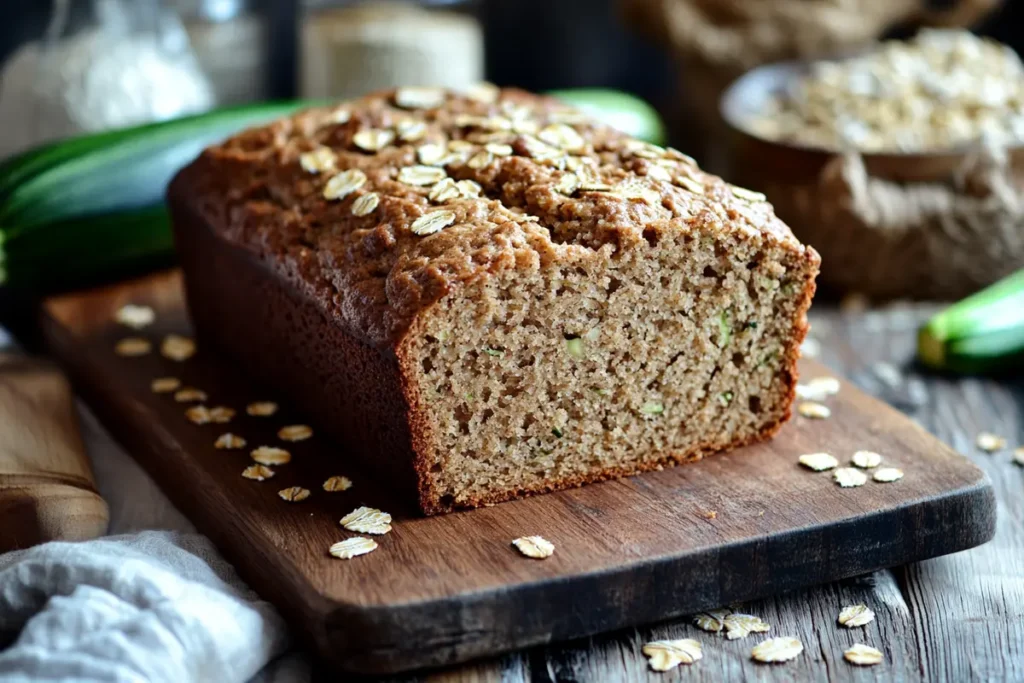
pixel 604 364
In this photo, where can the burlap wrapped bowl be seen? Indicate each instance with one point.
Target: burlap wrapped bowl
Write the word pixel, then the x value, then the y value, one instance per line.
pixel 927 226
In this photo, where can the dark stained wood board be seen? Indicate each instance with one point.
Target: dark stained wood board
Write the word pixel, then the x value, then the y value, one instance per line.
pixel 447 589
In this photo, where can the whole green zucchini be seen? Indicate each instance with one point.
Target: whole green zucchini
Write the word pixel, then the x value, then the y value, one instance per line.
pixel 983 334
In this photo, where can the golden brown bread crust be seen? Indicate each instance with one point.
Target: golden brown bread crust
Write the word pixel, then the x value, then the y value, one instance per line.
pixel 374 273
pixel 320 301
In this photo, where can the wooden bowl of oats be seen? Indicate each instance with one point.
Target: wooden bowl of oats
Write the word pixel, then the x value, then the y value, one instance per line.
pixel 904 167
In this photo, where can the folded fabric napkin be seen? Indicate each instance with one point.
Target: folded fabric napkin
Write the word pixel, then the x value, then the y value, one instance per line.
pixel 153 606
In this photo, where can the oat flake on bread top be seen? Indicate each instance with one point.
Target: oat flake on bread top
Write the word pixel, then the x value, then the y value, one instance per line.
pixel 379 273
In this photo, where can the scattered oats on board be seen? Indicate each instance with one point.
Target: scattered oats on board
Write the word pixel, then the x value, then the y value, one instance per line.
pixel 863 655
pixel 818 389
pixel 1018 456
pixel 261 408
pixel 258 472
pixel 712 621
pixel 665 655
pixel 221 414
pixel 366 520
pixel 536 547
pixel 856 615
pixel 866 459
pixel 294 494
pixel 337 484
pixel 990 443
pixel 819 462
pixel 777 650
pixel 177 347
pixel 269 455
pixel 189 394
pixel 887 474
pixel 814 411
pixel 353 547
pixel 295 433
pixel 229 441
pixel 742 625
pixel 164 385
pixel 849 477
pixel 134 316
pixel 199 415
pixel 133 346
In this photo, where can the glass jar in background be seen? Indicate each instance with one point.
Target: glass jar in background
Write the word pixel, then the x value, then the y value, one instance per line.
pixel 230 39
pixel 100 64
pixel 350 48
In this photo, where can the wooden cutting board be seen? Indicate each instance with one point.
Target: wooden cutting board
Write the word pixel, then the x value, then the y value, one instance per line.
pixel 441 590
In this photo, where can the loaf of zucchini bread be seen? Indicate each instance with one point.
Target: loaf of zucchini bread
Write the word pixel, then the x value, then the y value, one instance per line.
pixel 486 294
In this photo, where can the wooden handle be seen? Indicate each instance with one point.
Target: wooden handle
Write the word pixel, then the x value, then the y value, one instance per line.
pixel 47 490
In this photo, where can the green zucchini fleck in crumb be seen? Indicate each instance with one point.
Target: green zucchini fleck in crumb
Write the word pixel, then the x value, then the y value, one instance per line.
pixel 725 398
pixel 652 408
pixel 494 352
pixel 557 432
pixel 724 329
pixel 575 347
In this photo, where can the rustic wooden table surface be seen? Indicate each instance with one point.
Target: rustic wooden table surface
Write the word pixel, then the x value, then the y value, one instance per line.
pixel 954 618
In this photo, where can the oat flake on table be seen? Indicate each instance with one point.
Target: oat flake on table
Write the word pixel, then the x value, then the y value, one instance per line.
pixel 164 385
pixel 258 472
pixel 133 346
pixel 990 443
pixel 866 459
pixel 177 347
pixel 367 520
pixel 536 547
pixel 269 455
pixel 849 477
pixel 665 655
pixel 337 483
pixel 1018 456
pixel 294 494
pixel 856 615
pixel 261 408
pixel 814 411
pixel 134 316
pixel 819 462
pixel 189 394
pixel 818 389
pixel 353 547
pixel 863 655
pixel 742 625
pixel 887 474
pixel 712 621
pixel 295 433
pixel 229 441
pixel 777 649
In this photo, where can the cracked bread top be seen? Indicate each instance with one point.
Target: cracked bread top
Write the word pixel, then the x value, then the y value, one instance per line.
pixel 380 206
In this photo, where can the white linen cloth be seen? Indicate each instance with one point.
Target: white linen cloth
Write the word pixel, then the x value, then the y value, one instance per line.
pixel 154 602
